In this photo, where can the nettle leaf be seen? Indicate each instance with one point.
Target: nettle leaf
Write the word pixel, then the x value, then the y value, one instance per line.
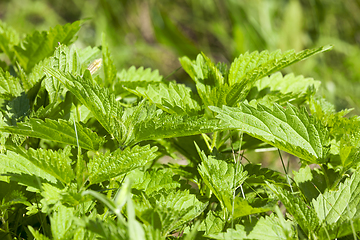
pixel 36 234
pixel 248 68
pixel 213 223
pixel 171 209
pixel 172 98
pixel 59 131
pixel 55 163
pixel 102 168
pixel 17 109
pixel 37 46
pixel 222 87
pixel 37 74
pixel 342 205
pixel 133 78
pixel 305 216
pixel 258 175
pixel 156 180
pixel 9 85
pixel 311 182
pixel 340 127
pixel 243 208
pixel 215 77
pixel 8 38
pixel 61 220
pixel 11 197
pixel 66 60
pixel 197 69
pixel 164 125
pixel 98 100
pixel 286 84
pixel 214 96
pixel 23 171
pixel 140 74
pixel 269 227
pixel 282 89
pixel 288 129
pixel 221 177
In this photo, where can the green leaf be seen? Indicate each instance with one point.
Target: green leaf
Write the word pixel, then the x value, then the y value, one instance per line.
pixel 105 229
pixel 222 178
pixel 62 226
pixel 243 208
pixel 17 109
pixel 341 205
pixel 37 74
pixel 163 125
pixel 248 68
pixel 306 179
pixel 98 100
pixel 133 78
pixel 172 98
pixel 156 180
pixel 214 73
pixel 37 46
pixel 102 168
pixel 215 96
pixel 288 129
pixel 282 90
pixel 36 234
pixel 65 60
pixel 23 171
pixel 286 84
pixel 56 163
pixel 197 69
pixel 9 85
pixel 305 216
pixel 171 209
pixel 59 131
pixel 138 75
pixel 269 227
pixel 258 175
pixel 213 223
pixel 11 198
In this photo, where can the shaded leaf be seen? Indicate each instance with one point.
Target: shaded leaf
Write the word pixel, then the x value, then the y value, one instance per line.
pixel 172 98
pixel 59 131
pixel 98 100
pixel 9 85
pixel 102 168
pixel 305 216
pixel 55 163
pixel 222 178
pixel 269 227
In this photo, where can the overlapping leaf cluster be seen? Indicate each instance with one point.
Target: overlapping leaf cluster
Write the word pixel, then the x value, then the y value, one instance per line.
pixel 89 150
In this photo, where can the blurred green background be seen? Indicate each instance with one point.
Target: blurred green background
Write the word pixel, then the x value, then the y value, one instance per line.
pixel 155 33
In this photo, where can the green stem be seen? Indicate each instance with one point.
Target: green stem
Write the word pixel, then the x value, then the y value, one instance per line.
pixel 213 143
pixel 206 139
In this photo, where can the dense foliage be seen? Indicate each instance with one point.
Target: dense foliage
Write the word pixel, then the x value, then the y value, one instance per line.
pixel 85 147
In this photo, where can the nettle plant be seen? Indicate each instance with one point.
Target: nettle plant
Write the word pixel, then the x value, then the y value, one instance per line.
pixel 84 150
